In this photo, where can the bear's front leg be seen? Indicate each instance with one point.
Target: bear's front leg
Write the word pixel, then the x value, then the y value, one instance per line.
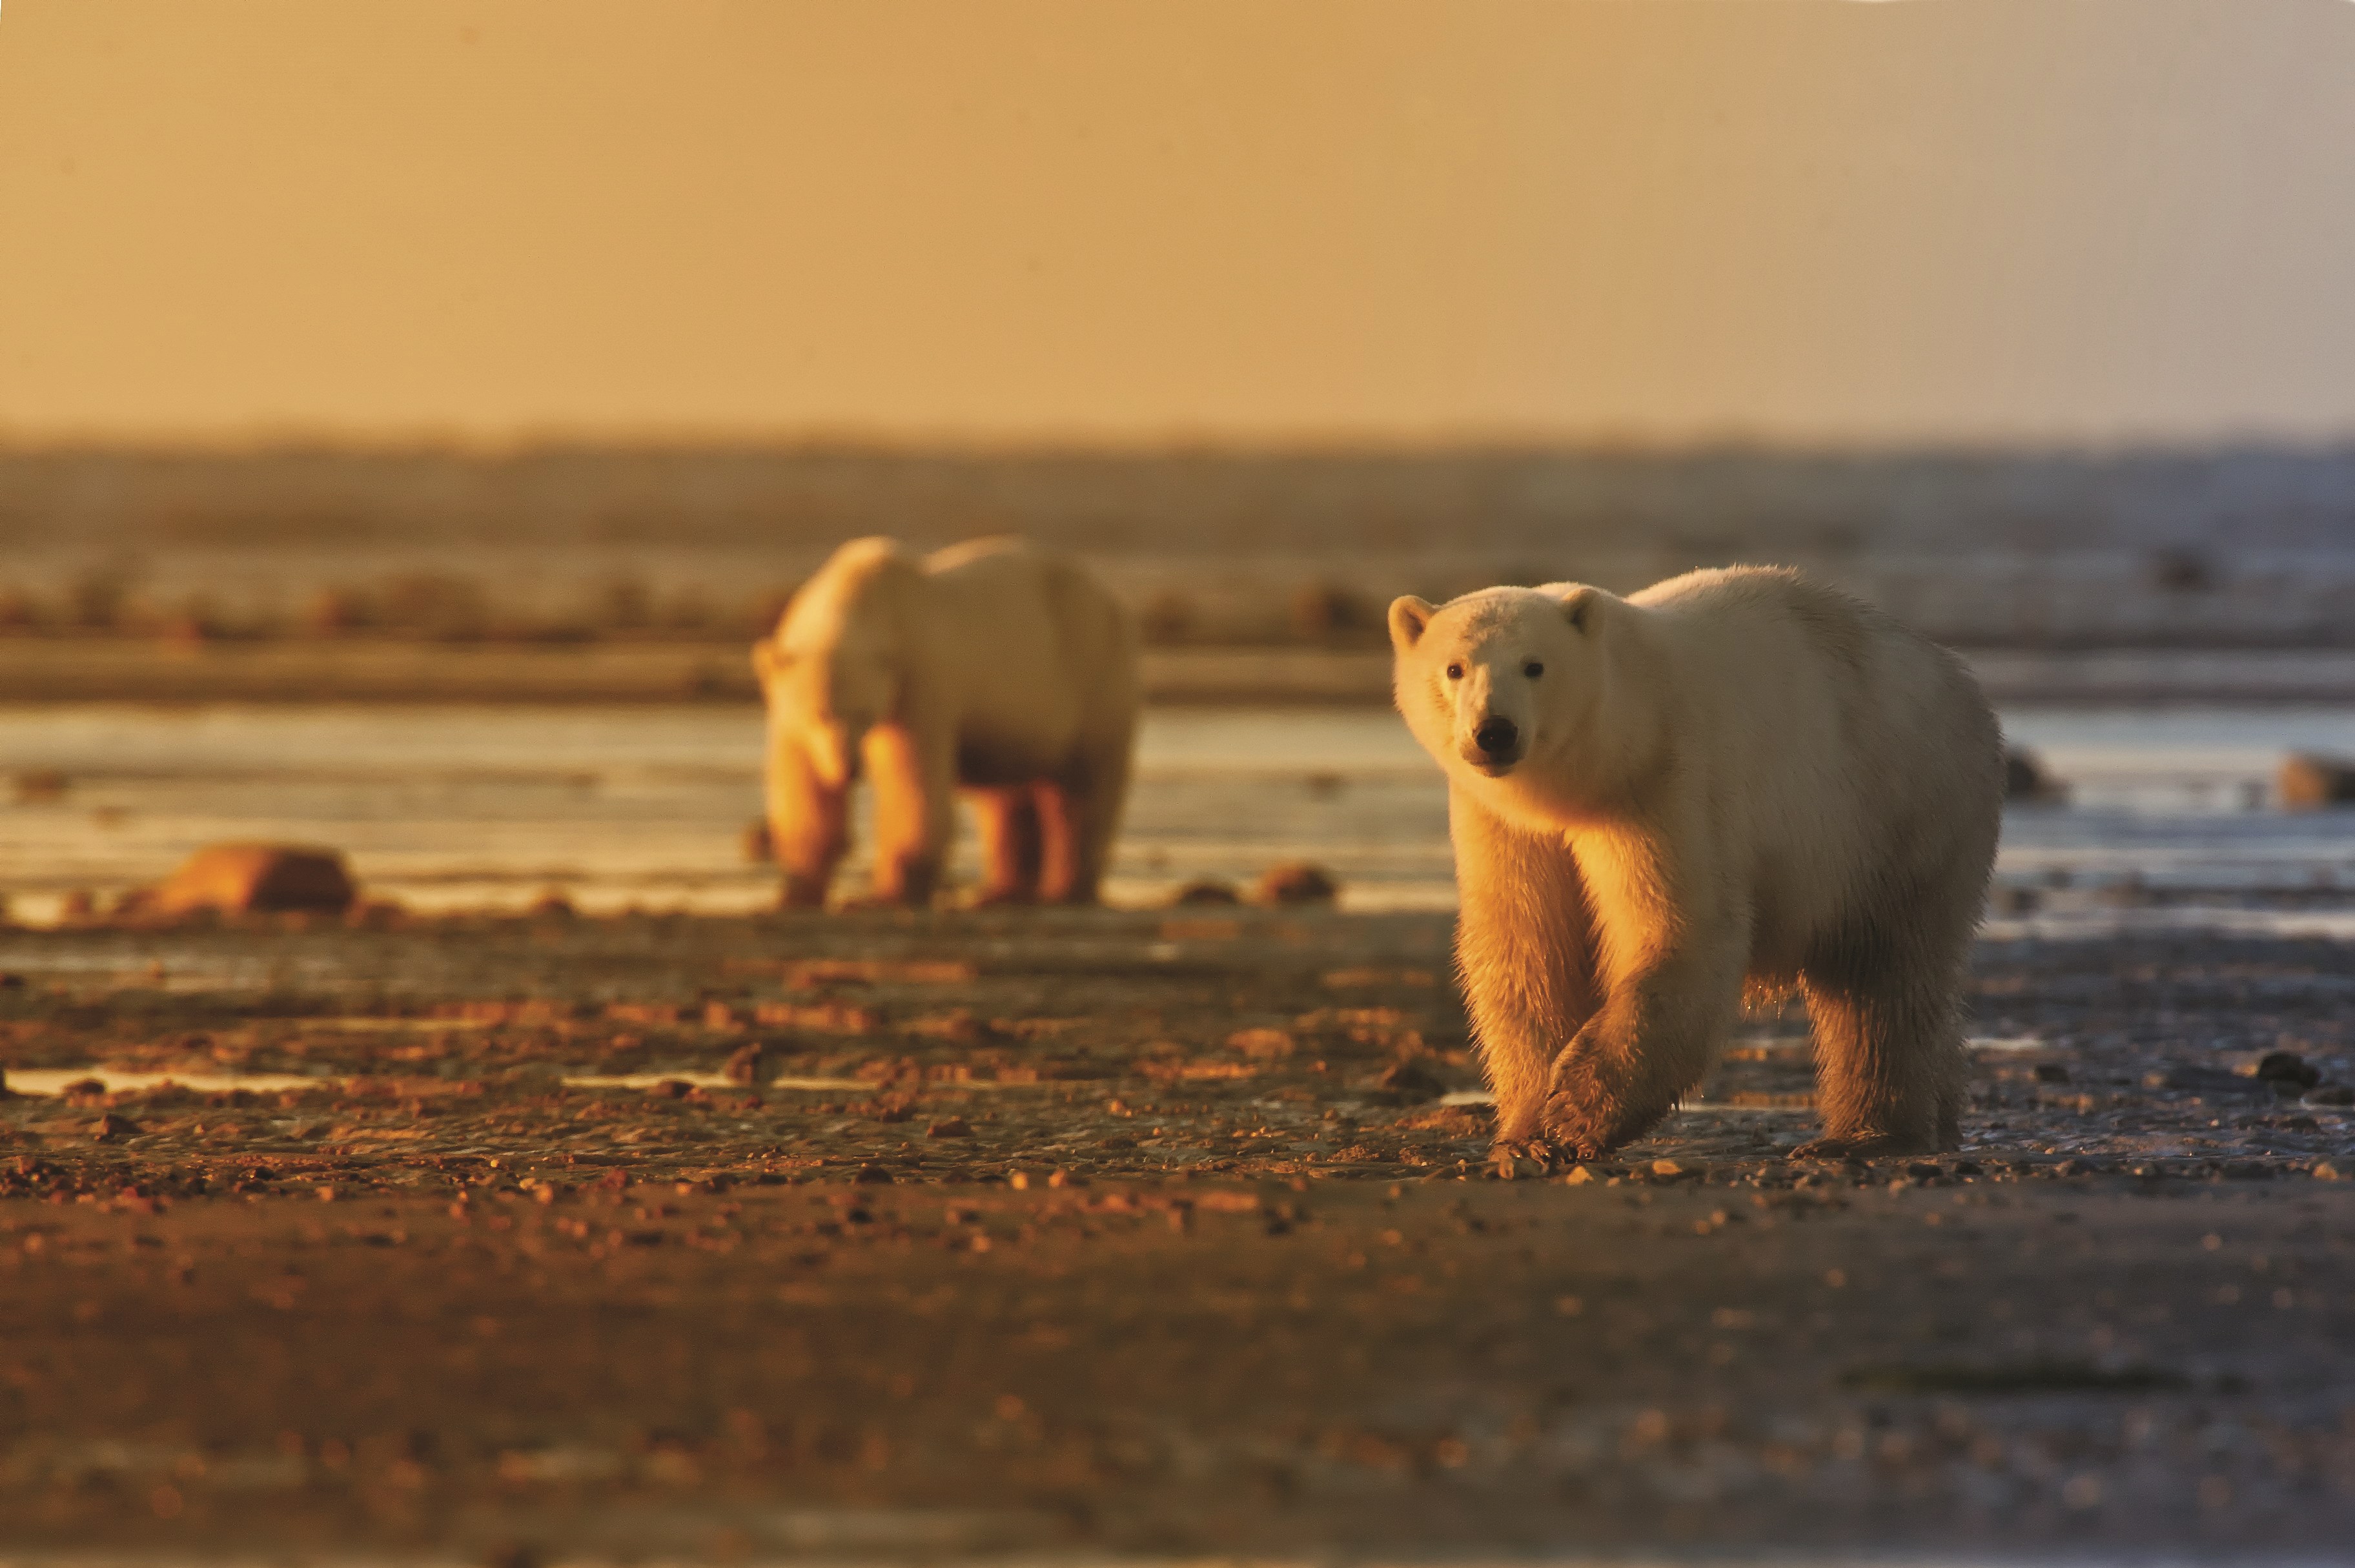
pixel 809 826
pixel 915 812
pixel 1648 1046
pixel 1525 949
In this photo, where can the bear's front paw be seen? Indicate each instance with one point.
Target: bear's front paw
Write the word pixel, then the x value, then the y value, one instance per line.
pixel 1543 1155
pixel 1567 1127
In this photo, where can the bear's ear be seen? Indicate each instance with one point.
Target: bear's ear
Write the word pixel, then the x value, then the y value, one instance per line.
pixel 1409 617
pixel 1576 606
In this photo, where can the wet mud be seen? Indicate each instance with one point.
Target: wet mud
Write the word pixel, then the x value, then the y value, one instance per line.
pixel 1152 1233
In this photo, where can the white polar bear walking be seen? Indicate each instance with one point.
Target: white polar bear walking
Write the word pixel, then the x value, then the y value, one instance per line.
pixel 990 666
pixel 1734 779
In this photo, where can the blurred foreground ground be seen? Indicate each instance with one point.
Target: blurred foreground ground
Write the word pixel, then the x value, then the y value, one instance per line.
pixel 1132 1233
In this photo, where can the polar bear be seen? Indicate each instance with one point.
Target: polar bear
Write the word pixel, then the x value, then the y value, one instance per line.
pixel 1733 782
pixel 990 665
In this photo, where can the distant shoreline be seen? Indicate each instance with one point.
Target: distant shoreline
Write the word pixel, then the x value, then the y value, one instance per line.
pixel 60 670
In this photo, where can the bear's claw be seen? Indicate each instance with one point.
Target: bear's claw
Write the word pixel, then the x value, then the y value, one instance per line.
pixel 1546 1155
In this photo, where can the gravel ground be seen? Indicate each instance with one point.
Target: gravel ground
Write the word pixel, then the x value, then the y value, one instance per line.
pixel 1154 1236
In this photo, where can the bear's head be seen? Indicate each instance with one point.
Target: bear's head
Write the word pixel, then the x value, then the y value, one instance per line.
pixel 825 695
pixel 831 672
pixel 1504 687
pixel 824 700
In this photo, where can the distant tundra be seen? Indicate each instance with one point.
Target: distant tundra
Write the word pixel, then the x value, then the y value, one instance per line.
pixel 1733 782
pixel 1006 672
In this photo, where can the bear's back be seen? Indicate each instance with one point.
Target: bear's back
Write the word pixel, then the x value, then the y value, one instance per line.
pixel 1835 726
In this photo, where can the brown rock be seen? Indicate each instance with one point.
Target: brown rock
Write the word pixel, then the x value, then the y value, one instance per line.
pixel 748 1064
pixel 2289 1067
pixel 37 786
pixel 1297 882
pixel 1261 1043
pixel 374 914
pixel 1205 890
pixel 1410 1082
pixel 2024 778
pixel 111 1126
pixel 240 878
pixel 953 1127
pixel 2308 781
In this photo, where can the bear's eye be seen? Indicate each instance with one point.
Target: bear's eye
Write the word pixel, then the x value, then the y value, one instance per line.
pixel 1455 672
pixel 1533 669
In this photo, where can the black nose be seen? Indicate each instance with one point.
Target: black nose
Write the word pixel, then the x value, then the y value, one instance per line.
pixel 1496 736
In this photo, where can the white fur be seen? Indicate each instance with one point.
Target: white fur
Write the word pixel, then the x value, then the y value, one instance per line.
pixel 990 666
pixel 1732 780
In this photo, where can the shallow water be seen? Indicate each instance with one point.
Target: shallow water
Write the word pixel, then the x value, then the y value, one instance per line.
pixel 488 806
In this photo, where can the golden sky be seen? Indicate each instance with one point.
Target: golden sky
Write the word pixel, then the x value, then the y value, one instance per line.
pixel 1118 220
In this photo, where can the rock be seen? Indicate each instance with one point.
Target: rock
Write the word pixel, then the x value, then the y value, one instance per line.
pixel 2308 781
pixel 2025 780
pixel 1297 882
pixel 2208 1081
pixel 553 903
pixel 110 1126
pixel 1206 891
pixel 2331 1094
pixel 1261 1044
pixel 748 1064
pixel 2326 1172
pixel 2287 1067
pixel 374 914
pixel 755 842
pixel 2051 1073
pixel 1410 1082
pixel 37 786
pixel 255 878
pixel 953 1127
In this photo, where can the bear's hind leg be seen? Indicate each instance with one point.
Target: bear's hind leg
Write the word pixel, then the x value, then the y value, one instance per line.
pixel 1081 816
pixel 1888 1063
pixel 1011 845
